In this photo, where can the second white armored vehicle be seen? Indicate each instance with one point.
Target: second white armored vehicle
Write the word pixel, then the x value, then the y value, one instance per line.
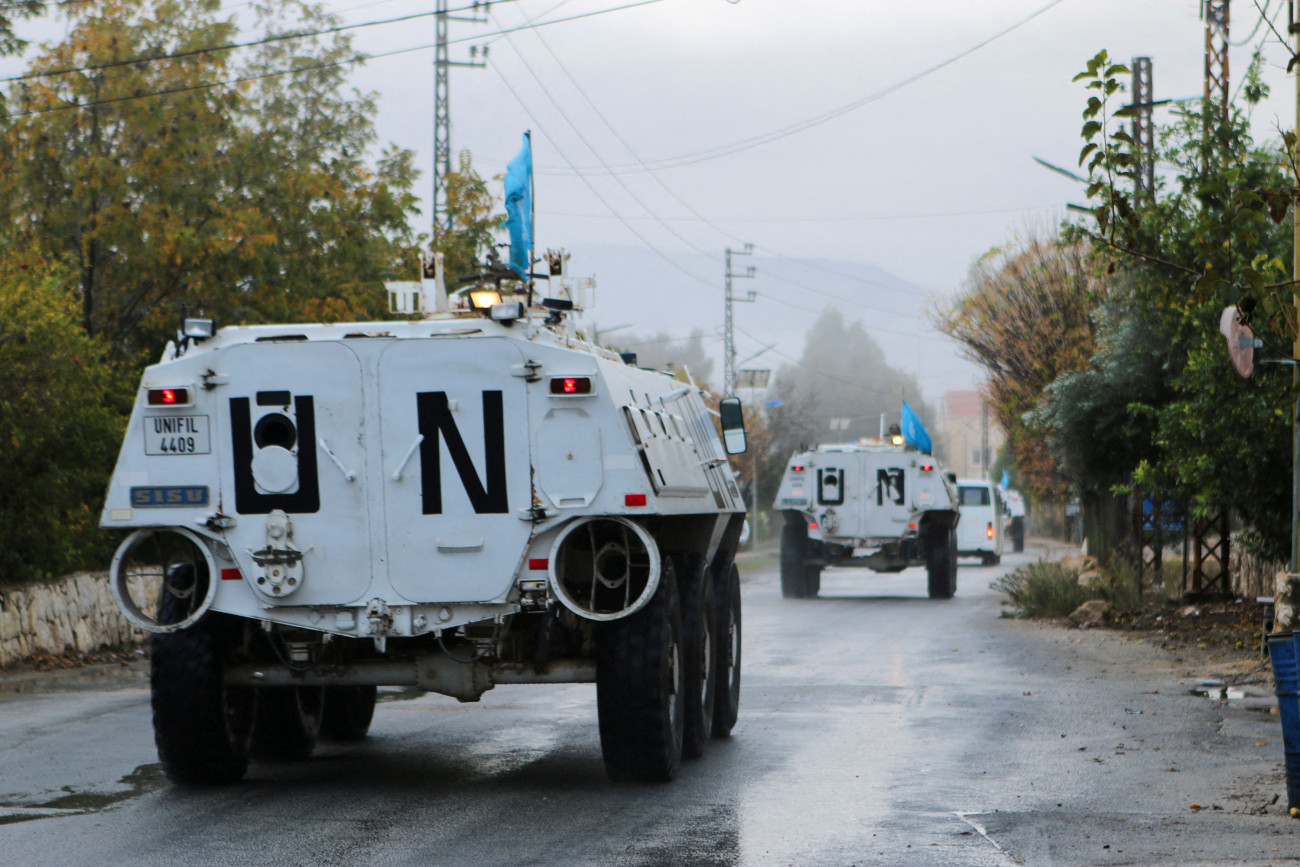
pixel 473 498
pixel 872 504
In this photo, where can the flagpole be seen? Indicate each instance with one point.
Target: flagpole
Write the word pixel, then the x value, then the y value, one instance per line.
pixel 532 218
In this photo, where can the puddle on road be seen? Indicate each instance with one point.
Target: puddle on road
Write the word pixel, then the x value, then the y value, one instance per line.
pixel 141 781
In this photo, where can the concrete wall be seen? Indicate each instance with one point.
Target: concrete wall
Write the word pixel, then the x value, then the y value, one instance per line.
pixel 76 612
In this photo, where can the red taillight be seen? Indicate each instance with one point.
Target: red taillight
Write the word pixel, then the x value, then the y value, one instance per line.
pixel 230 575
pixel 634 500
pixel 796 469
pixel 539 565
pixel 571 385
pixel 925 468
pixel 990 530
pixel 812 525
pixel 169 396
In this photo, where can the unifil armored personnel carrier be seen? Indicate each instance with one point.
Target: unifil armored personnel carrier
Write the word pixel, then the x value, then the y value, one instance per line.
pixel 876 503
pixel 473 495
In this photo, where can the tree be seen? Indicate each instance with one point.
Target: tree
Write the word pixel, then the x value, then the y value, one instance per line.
pixel 159 184
pixel 1026 318
pixel 474 223
pixel 836 392
pixel 1211 238
pixel 9 15
pixel 62 413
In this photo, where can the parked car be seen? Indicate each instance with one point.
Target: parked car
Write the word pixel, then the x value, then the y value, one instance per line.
pixel 980 530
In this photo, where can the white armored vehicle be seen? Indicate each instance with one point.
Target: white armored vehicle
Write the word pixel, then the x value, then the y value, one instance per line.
pixel 873 503
pixel 470 498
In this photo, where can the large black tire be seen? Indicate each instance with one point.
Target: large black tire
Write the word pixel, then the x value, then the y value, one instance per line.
pixel 201 726
pixel 726 704
pixel 640 686
pixel 1017 534
pixel 347 713
pixel 941 563
pixel 812 573
pixel 287 722
pixel 698 624
pixel 794 554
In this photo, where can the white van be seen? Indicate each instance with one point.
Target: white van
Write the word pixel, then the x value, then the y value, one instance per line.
pixel 979 532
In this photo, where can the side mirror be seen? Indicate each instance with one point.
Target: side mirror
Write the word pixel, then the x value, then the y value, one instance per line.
pixel 733 426
pixel 952 477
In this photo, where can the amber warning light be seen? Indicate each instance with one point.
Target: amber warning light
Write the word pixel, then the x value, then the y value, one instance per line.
pixel 571 385
pixel 169 396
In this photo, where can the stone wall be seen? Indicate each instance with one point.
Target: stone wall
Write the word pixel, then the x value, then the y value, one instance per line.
pixel 76 612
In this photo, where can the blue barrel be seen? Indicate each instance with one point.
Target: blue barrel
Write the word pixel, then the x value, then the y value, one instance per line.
pixel 1284 653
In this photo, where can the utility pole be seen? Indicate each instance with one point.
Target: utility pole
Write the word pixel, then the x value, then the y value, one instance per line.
pixel 1144 135
pixel 729 330
pixel 1295 349
pixel 442 111
pixel 1215 107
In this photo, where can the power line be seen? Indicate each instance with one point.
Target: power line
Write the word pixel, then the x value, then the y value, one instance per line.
pixel 792 129
pixel 356 58
pixel 590 186
pixel 564 116
pixel 227 46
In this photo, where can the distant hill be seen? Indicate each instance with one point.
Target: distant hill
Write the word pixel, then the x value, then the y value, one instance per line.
pixel 637 288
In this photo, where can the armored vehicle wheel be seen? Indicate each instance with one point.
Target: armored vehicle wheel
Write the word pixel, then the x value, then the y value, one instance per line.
pixel 794 555
pixel 812 574
pixel 201 726
pixel 287 722
pixel 726 706
pixel 640 685
pixel 941 563
pixel 347 712
pixel 698 625
pixel 990 559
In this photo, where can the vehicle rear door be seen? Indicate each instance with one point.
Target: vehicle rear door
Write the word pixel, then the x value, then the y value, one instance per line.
pixel 292 416
pixel 457 477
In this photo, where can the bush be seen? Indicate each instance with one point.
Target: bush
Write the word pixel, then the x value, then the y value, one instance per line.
pixel 1044 590
pixel 62 412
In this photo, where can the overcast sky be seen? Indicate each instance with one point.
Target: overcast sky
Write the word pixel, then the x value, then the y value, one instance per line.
pixel 654 127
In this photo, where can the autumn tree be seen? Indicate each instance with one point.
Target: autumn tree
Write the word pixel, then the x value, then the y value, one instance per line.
pixel 1025 316
pixel 162 173
pixel 475 223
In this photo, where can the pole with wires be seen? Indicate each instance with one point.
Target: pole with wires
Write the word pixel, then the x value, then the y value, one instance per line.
pixel 442 109
pixel 729 326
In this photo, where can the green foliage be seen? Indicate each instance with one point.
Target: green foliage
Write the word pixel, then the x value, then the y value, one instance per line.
pixel 62 413
pixel 1160 398
pixel 473 223
pixel 1043 589
pixel 253 202
pixel 10 13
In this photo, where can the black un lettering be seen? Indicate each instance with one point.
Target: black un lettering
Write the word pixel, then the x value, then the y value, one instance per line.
pixel 436 424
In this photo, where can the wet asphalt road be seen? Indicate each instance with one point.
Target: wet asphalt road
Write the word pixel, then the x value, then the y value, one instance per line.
pixel 877 727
